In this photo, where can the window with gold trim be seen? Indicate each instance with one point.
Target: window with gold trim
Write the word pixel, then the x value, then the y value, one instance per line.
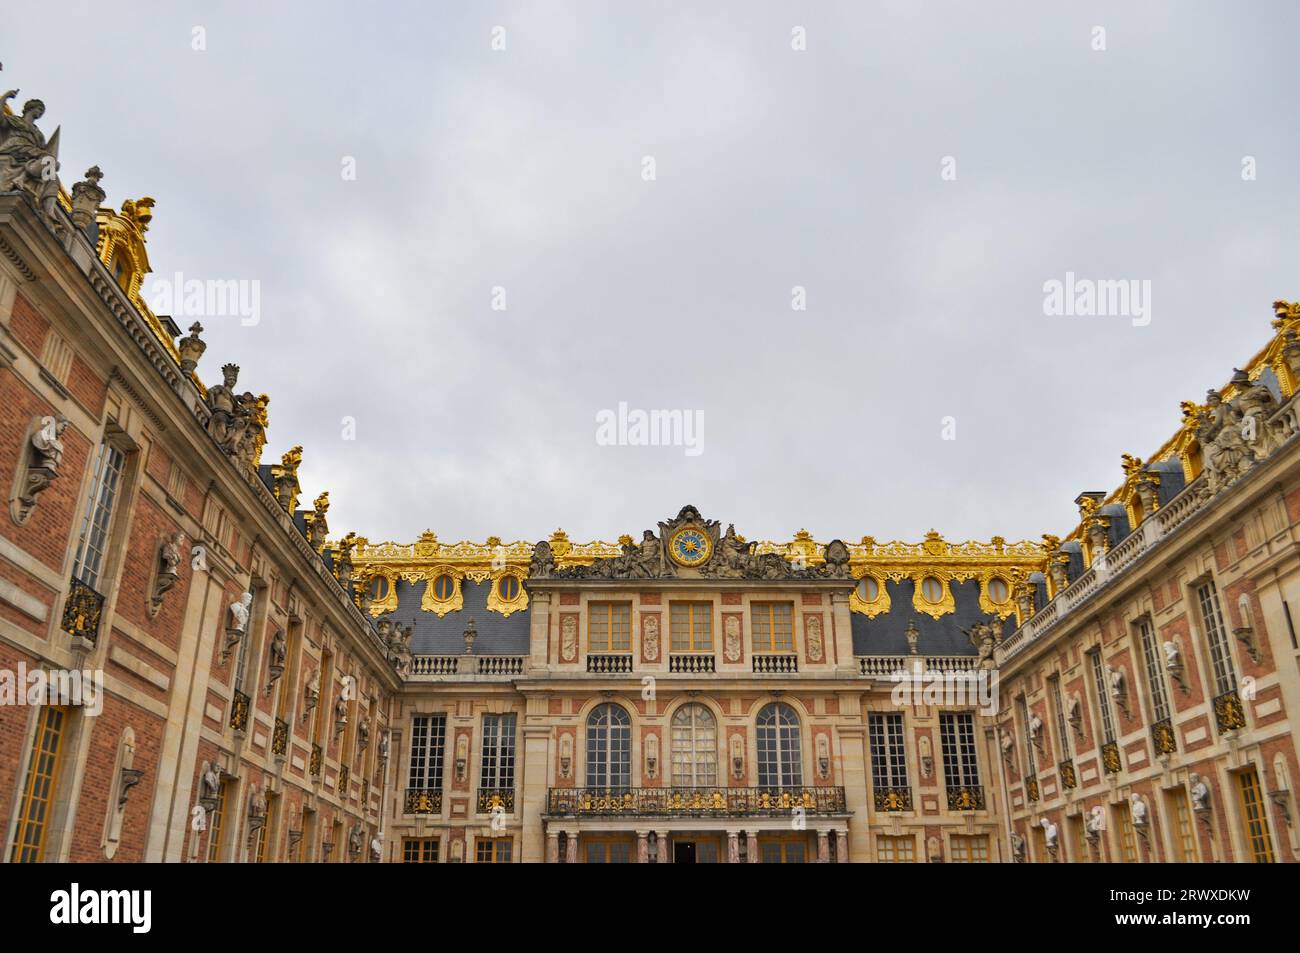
pixel 1185 847
pixel 932 590
pixel 1127 835
pixel 692 626
pixel 609 627
pixel 780 761
pixel 695 746
pixel 508 587
pixel 772 626
pixel 215 822
pixel 444 587
pixel 39 789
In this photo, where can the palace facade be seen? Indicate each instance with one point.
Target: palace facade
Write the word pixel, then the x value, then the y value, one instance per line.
pixel 193 670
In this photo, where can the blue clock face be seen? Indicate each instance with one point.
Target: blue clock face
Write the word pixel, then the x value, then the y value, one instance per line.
pixel 690 547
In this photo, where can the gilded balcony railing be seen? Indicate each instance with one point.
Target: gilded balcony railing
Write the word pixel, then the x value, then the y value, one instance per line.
pixel 239 706
pixel 280 737
pixel 770 662
pixel 893 798
pixel 609 664
pixel 423 801
pixel 1163 737
pixel 1110 758
pixel 1229 713
pixel 965 797
pixel 1066 771
pixel 83 611
pixel 694 801
pixel 691 663
pixel 493 799
pixel 313 766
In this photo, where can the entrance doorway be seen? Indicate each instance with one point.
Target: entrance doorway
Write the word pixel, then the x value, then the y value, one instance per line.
pixel 683 852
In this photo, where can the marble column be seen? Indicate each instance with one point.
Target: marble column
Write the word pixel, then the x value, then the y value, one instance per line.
pixel 733 847
pixel 751 846
pixel 662 838
pixel 643 847
pixel 823 847
pixel 842 847
pixel 552 847
pixel 571 848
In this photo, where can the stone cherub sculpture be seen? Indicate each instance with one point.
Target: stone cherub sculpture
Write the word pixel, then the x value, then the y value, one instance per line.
pixel 28 162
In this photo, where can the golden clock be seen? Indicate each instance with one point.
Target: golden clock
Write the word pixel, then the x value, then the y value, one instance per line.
pixel 690 547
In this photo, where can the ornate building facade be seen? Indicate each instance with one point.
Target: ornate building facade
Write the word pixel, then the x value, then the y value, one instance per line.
pixel 191 669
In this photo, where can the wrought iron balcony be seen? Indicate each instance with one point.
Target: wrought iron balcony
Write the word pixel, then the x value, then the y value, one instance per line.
pixel 893 799
pixel 693 801
pixel 1229 713
pixel 1110 759
pixel 1163 737
pixel 313 766
pixel 83 611
pixel 692 663
pixel 280 737
pixel 423 801
pixel 1066 771
pixel 1031 787
pixel 492 799
pixel 239 706
pixel 965 797
pixel 609 664
pixel 771 662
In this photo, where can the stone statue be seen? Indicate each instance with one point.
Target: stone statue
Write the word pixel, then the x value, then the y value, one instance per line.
pixel 984 638
pixel 279 648
pixel 224 421
pixel 317 528
pixel 1017 847
pixel 542 563
pixel 1139 808
pixel 1117 684
pixel 354 840
pixel 402 648
pixel 210 783
pixel 569 638
pixel 28 163
pixel 363 733
pixel 251 435
pixel 1200 792
pixel 86 198
pixel 257 803
pixel 45 456
pixel 734 557
pixel 836 565
pixel 376 849
pixel 343 560
pixel 311 693
pixel 650 638
pixel 813 632
pixel 1035 729
pixel 731 638
pixel 169 561
pixel 1096 820
pixel 383 747
pixel 1226 453
pixel 239 612
pixel 1050 833
pixel 650 555
pixel 470 635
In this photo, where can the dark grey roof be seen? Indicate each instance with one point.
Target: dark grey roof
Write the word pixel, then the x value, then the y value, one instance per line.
pixel 497 634
pixel 885 634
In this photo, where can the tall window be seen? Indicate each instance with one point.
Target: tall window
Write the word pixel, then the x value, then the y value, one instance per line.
pixel 957 739
pixel 1185 831
pixel 695 747
pixel 216 821
pixel 1023 707
pixel 692 626
pixel 323 704
pixel 609 627
pixel 498 768
pixel 428 743
pixel 89 564
pixel 1155 679
pixel 772 626
pixel 38 790
pixel 888 750
pixel 1216 634
pixel 1102 684
pixel 1062 725
pixel 609 748
pixel 1259 840
pixel 1127 835
pixel 780 761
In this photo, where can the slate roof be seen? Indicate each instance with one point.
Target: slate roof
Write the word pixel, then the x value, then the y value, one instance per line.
pixel 884 635
pixel 497 634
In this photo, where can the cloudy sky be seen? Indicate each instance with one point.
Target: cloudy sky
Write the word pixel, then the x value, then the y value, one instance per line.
pixel 822 168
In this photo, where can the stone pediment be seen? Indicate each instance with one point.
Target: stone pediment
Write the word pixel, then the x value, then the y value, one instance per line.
pixel 688 546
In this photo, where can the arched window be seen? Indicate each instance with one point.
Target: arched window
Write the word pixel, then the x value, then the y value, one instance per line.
pixel 695 747
pixel 780 763
pixel 609 748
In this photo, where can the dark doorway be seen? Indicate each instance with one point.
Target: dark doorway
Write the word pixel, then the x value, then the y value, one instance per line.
pixel 683 852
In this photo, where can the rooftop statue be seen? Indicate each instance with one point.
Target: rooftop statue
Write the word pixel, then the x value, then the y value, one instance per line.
pixel 28 163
